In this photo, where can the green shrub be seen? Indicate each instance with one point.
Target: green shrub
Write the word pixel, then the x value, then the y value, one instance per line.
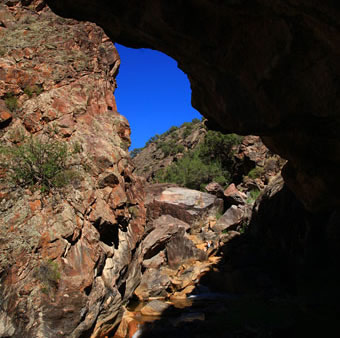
pixel 172 129
pixel 31 90
pixel 36 162
pixel 48 274
pixel 211 161
pixel 77 147
pixel 168 148
pixel 179 148
pixel 153 139
pixel 11 102
pixel 187 131
pixel 191 171
pixel 218 146
pixel 218 215
pixel 253 195
pixel 255 172
pixel 242 228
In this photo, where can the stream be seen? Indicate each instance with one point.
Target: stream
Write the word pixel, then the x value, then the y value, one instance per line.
pixel 192 316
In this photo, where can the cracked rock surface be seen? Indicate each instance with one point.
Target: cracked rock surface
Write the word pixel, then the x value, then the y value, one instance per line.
pixel 69 258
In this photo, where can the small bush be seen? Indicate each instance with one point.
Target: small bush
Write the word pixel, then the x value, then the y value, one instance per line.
pixel 255 172
pixel 48 274
pixel 11 102
pixel 242 228
pixel 31 90
pixel 179 148
pixel 253 195
pixel 36 162
pixel 77 147
pixel 187 131
pixel 172 129
pixel 153 139
pixel 218 215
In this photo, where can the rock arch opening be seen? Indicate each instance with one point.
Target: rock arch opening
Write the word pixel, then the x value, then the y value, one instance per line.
pixel 152 93
pixel 255 69
pixel 270 69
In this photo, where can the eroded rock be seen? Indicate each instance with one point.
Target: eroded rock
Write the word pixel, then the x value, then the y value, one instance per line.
pixel 69 258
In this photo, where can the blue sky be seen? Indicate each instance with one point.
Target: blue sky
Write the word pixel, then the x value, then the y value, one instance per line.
pixel 153 94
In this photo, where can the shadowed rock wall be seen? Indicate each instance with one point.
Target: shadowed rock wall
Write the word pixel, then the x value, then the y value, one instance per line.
pixel 261 67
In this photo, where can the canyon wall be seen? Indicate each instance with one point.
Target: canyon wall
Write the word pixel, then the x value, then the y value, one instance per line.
pixel 69 254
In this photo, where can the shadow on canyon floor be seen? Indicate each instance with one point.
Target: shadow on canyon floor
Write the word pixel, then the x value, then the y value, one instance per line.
pixel 268 299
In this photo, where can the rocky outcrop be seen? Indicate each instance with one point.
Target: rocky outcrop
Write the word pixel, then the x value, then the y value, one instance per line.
pixel 70 257
pixel 183 238
pixel 254 68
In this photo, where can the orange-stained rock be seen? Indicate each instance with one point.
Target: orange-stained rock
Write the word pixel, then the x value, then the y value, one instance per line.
pixel 35 205
pixel 5 116
pixel 71 257
pixel 128 326
pixel 234 196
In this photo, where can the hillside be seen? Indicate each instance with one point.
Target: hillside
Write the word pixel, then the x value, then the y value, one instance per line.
pixel 162 150
pixel 193 156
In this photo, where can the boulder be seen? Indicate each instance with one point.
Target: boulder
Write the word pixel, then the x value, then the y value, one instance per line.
pixel 156 261
pixel 230 219
pixel 128 326
pixel 164 228
pixel 5 116
pixel 179 249
pixel 234 196
pixel 185 204
pixel 154 308
pixel 215 189
pixel 154 283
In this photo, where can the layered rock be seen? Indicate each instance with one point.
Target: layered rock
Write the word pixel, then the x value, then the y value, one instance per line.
pixel 69 257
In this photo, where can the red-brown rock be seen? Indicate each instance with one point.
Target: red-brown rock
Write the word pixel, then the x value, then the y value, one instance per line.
pixel 164 228
pixel 234 196
pixel 70 258
pixel 214 189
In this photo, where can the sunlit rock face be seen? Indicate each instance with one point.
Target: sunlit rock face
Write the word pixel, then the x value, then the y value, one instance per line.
pixel 256 67
pixel 69 259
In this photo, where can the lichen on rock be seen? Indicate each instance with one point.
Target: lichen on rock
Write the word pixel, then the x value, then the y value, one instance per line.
pixel 68 255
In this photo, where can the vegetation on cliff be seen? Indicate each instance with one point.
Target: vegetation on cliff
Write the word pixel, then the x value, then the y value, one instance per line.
pixel 37 162
pixel 192 164
pixel 210 161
